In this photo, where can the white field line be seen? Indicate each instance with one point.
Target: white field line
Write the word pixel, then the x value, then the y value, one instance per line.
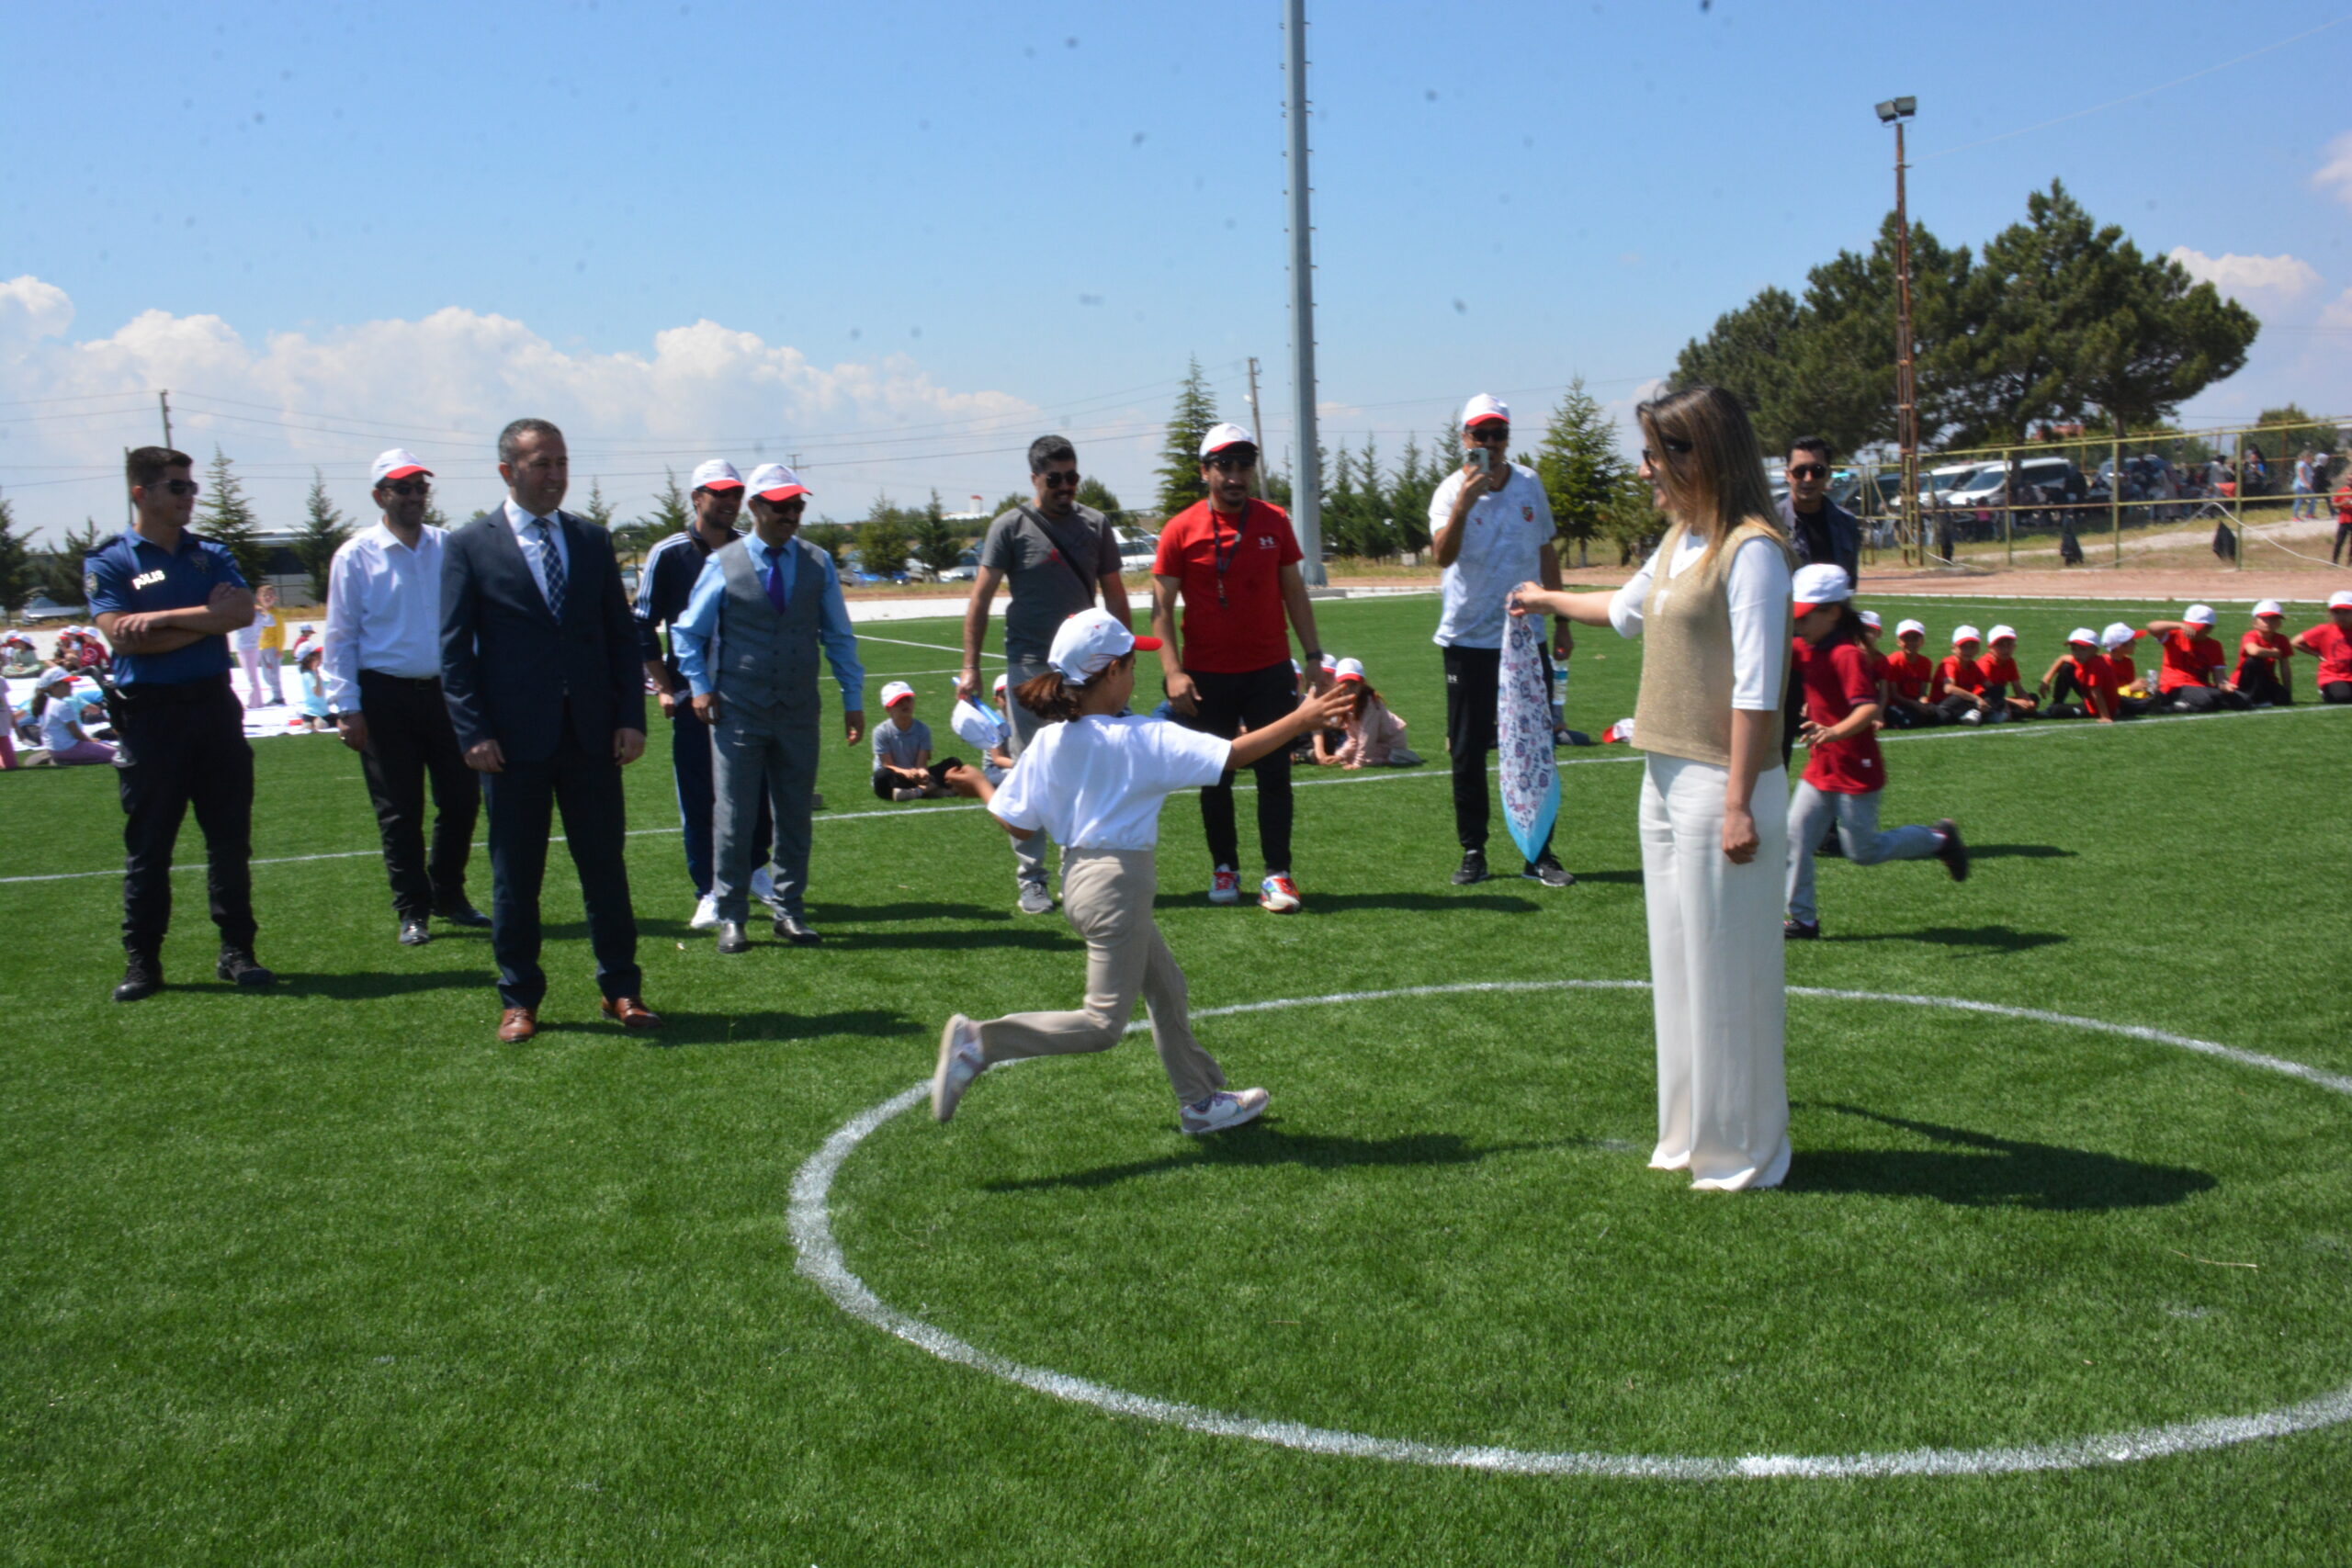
pixel 1386 775
pixel 822 1261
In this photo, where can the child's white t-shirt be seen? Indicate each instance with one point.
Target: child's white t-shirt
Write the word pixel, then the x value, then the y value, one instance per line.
pixel 1097 783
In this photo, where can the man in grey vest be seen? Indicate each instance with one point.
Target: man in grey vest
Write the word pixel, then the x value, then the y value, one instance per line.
pixel 1055 557
pixel 747 646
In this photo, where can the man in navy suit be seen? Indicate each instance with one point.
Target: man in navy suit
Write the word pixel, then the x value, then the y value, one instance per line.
pixel 539 667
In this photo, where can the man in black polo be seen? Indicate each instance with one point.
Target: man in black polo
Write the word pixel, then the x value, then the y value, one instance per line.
pixel 1055 557
pixel 166 601
pixel 1822 532
pixel 663 586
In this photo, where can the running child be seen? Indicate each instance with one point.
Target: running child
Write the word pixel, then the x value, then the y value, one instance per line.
pixel 2080 672
pixel 1909 672
pixel 1959 691
pixel 2265 675
pixel 2190 679
pixel 2004 686
pixel 1844 773
pixel 2330 642
pixel 1095 777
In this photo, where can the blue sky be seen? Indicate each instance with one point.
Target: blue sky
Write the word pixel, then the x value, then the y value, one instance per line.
pixel 898 239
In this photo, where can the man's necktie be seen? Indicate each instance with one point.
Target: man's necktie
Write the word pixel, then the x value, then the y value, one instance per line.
pixel 551 564
pixel 775 582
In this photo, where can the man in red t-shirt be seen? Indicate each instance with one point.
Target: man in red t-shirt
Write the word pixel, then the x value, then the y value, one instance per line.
pixel 2263 674
pixel 2330 642
pixel 2191 677
pixel 1232 562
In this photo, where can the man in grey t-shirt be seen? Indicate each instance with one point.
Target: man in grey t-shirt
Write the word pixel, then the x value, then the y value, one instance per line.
pixel 1055 557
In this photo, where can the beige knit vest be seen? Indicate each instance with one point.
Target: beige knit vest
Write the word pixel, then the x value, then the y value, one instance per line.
pixel 1684 709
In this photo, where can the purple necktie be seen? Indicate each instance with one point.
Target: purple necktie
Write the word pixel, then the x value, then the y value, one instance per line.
pixel 775 583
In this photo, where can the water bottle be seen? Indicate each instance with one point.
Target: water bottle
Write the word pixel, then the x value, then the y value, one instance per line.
pixel 1559 693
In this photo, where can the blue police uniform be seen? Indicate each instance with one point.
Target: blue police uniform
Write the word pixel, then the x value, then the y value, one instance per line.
pixel 183 735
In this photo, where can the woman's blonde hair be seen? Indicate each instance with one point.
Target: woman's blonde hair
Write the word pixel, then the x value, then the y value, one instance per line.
pixel 1703 451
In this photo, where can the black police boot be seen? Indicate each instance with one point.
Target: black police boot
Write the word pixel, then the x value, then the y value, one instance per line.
pixel 238 967
pixel 142 976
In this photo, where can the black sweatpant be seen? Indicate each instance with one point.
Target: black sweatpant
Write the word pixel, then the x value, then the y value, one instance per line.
pixel 1228 703
pixel 184 746
pixel 410 740
pixel 1473 684
pixel 2258 682
pixel 2343 538
pixel 2203 699
pixel 889 782
pixel 2337 692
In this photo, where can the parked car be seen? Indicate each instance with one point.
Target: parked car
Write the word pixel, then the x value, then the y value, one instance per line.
pixel 967 567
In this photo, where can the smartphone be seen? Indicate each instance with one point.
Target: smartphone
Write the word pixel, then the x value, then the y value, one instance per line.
pixel 1480 459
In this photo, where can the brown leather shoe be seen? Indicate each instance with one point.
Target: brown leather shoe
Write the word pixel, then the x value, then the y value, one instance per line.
pixel 631 1013
pixel 517 1024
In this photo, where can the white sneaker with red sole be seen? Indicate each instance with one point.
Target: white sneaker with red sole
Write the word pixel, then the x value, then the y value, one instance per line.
pixel 1278 895
pixel 1225 887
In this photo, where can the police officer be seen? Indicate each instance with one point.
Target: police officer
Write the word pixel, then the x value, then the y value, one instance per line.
pixel 167 602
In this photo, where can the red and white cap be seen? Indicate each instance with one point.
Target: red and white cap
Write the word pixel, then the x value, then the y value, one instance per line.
pixel 1484 409
pixel 1904 628
pixel 1817 586
pixel 1221 436
pixel 397 463
pixel 717 474
pixel 2199 614
pixel 897 692
pixel 2269 608
pixel 1001 681
pixel 773 481
pixel 2082 637
pixel 2340 600
pixel 1348 669
pixel 1964 634
pixel 1089 642
pixel 2000 634
pixel 2118 633
pixel 1869 619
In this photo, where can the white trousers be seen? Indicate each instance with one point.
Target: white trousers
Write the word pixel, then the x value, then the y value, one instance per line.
pixel 1717 977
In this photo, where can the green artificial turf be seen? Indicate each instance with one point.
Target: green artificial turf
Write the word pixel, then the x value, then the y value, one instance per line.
pixel 325 1275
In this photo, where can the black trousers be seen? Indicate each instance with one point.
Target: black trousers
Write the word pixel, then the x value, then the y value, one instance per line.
pixel 1472 683
pixel 2343 538
pixel 2204 699
pixel 522 801
pixel 2259 683
pixel 1228 703
pixel 186 746
pixel 886 782
pixel 2337 692
pixel 409 739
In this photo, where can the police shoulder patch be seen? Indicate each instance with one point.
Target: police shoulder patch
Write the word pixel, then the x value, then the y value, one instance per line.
pixel 89 582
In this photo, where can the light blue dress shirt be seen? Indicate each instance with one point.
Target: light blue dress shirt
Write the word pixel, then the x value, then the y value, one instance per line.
pixel 691 633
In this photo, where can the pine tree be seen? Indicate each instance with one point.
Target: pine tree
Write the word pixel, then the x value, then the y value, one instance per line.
pixel 227 519
pixel 433 516
pixel 325 529
pixel 1409 498
pixel 671 513
pixel 60 572
pixel 1180 457
pixel 1579 466
pixel 599 510
pixel 1093 492
pixel 882 540
pixel 932 541
pixel 16 564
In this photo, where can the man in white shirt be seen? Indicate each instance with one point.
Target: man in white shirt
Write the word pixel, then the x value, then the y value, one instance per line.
pixel 382 673
pixel 1490 527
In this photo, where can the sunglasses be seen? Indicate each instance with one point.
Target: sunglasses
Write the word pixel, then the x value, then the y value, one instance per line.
pixel 1674 449
pixel 1233 462
pixel 1490 434
pixel 408 487
pixel 180 487
pixel 1060 481
pixel 1808 470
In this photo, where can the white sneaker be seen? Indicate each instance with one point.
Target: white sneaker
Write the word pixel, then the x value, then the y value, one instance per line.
pixel 1973 716
pixel 1221 1111
pixel 1225 887
pixel 959 1063
pixel 705 913
pixel 1034 899
pixel 764 890
pixel 906 795
pixel 1278 895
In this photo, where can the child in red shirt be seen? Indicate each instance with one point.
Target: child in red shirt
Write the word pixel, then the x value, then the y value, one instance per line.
pixel 1959 691
pixel 1844 773
pixel 1908 672
pixel 2262 677
pixel 2330 642
pixel 2190 677
pixel 2080 672
pixel 2004 686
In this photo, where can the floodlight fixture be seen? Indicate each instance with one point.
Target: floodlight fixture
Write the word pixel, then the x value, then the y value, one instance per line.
pixel 1894 110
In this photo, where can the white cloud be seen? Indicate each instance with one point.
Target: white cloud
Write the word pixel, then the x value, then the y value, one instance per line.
pixel 2334 175
pixel 443 386
pixel 2279 279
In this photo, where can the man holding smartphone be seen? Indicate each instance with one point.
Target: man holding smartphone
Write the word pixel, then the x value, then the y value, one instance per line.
pixel 1490 527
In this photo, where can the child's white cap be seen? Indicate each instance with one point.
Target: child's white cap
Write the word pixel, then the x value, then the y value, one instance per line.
pixel 1818 585
pixel 1001 681
pixel 1348 669
pixel 1869 619
pixel 2269 608
pixel 1088 644
pixel 1997 633
pixel 1329 662
pixel 897 692
pixel 55 674
pixel 2082 637
pixel 2117 634
pixel 2340 600
pixel 1964 634
pixel 1904 628
pixel 2198 616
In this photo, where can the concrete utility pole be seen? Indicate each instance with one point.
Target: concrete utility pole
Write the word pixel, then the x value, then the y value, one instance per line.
pixel 1894 111
pixel 1257 426
pixel 163 402
pixel 1306 479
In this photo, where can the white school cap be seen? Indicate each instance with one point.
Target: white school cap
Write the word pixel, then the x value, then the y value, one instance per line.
pixel 1997 633
pixel 397 463
pixel 2118 635
pixel 1964 634
pixel 2198 616
pixel 1329 662
pixel 1904 628
pixel 1484 408
pixel 1349 669
pixel 1869 619
pixel 897 691
pixel 2082 637
pixel 773 481
pixel 1221 436
pixel 2340 600
pixel 1000 682
pixel 1817 586
pixel 1089 642
pixel 56 675
pixel 717 474
pixel 2269 608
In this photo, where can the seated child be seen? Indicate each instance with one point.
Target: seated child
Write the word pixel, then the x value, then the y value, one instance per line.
pixel 2265 653
pixel 1959 691
pixel 2330 642
pixel 1909 675
pixel 311 691
pixel 902 766
pixel 2003 684
pixel 2080 672
pixel 2190 679
pixel 1373 736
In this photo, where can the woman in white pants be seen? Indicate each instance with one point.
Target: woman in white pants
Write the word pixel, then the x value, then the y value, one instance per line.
pixel 1713 608
pixel 1095 777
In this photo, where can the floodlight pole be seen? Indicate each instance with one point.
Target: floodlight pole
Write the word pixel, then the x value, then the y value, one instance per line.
pixel 1906 397
pixel 1307 478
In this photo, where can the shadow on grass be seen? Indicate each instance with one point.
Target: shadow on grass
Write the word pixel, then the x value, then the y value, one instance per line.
pixel 910 910
pixel 1417 903
pixel 374 984
pixel 1632 877
pixel 758 1027
pixel 1261 1144
pixel 1977 1170
pixel 2019 851
pixel 1997 939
